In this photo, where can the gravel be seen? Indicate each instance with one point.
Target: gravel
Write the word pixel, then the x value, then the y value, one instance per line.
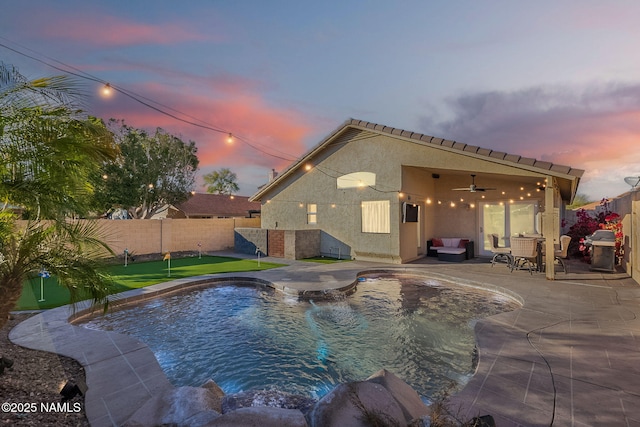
pixel 32 386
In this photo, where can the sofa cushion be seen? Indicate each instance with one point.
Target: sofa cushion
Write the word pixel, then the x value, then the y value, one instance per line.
pixel 463 243
pixel 450 242
pixel 436 242
pixel 450 250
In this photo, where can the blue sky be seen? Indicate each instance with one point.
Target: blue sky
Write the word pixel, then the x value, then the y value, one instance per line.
pixel 554 80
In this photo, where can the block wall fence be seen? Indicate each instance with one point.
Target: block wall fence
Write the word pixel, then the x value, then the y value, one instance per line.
pixel 143 237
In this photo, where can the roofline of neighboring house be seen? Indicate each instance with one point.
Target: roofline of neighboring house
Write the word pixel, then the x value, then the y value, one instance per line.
pixel 499 157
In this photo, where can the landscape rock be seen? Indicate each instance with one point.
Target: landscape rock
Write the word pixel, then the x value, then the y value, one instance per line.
pixel 216 393
pixel 357 404
pixel 412 406
pixel 261 417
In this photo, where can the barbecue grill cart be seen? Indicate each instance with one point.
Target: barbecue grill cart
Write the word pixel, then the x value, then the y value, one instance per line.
pixel 602 248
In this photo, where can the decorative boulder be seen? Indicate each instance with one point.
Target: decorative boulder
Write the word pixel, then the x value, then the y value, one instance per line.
pixel 412 406
pixel 216 393
pixel 260 417
pixel 357 404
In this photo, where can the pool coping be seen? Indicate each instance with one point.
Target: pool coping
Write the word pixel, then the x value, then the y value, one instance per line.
pixel 516 357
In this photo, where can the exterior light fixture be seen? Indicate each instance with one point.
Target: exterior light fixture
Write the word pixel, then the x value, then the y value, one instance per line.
pixel 107 90
pixel 633 181
pixel 307 167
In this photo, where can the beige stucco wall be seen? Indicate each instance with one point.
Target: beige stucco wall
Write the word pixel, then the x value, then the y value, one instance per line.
pixel 400 167
pixel 628 207
pixel 158 236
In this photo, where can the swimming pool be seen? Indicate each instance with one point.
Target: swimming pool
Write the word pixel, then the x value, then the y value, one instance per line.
pixel 252 337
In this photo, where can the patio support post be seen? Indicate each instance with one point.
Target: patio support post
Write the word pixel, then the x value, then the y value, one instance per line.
pixel 548 227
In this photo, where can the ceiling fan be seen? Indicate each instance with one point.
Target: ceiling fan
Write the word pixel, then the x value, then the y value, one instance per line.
pixel 472 188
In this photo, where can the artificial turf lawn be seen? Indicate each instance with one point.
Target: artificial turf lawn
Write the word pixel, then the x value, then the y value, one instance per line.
pixel 139 275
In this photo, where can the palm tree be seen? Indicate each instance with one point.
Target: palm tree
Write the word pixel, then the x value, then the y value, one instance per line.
pixel 48 148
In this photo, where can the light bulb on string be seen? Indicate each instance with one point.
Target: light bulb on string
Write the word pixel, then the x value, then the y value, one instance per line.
pixel 230 138
pixel 107 90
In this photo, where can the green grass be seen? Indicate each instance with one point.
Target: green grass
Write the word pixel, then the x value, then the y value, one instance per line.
pixel 138 275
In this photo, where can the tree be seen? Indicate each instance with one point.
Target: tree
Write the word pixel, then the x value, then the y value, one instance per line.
pixel 222 181
pixel 579 200
pixel 153 171
pixel 48 149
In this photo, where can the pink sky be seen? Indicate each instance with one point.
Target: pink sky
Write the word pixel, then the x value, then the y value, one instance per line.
pixel 557 85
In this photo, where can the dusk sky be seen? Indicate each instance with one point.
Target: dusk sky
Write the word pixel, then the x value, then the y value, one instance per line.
pixel 555 80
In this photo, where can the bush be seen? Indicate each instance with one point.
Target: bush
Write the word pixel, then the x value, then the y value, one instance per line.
pixel 586 224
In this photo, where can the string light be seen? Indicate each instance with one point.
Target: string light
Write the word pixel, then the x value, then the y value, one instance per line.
pixel 230 138
pixel 106 90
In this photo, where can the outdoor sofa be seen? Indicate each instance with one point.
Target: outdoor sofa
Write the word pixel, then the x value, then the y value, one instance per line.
pixel 452 249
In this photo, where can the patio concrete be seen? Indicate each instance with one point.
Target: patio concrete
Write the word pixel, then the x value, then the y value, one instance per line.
pixel 569 357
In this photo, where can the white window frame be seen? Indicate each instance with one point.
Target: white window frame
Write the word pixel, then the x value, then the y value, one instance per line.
pixel 312 213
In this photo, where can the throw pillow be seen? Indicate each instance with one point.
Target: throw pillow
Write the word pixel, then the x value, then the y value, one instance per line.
pixel 436 242
pixel 463 243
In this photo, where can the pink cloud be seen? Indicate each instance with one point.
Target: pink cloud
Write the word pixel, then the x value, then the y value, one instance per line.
pixel 596 128
pixel 103 29
pixel 264 136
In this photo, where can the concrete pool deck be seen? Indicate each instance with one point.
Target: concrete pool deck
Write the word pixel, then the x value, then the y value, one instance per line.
pixel 569 357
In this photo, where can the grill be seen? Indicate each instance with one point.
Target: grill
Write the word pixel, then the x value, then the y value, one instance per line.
pixel 602 248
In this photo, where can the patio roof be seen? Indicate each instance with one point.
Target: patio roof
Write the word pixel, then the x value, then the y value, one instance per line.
pixel 568 177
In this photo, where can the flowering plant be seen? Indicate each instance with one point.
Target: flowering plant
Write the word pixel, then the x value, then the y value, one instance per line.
pixel 613 222
pixel 587 225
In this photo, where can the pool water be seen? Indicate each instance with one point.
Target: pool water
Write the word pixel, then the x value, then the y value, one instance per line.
pixel 246 337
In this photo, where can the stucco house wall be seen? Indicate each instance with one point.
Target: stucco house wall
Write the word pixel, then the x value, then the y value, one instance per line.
pixel 406 170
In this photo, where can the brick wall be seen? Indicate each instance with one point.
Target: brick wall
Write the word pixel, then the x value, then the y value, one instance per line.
pixel 275 243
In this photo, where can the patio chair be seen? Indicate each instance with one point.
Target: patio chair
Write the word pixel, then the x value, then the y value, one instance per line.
pixel 561 254
pixel 524 251
pixel 499 253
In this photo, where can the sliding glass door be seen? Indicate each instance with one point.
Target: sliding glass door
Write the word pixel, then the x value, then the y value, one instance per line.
pixel 505 219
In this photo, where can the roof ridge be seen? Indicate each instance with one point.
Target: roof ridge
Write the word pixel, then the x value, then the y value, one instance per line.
pixel 486 152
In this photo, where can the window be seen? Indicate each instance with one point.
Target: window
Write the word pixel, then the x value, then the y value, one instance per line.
pixel 376 217
pixel 312 213
pixel 356 180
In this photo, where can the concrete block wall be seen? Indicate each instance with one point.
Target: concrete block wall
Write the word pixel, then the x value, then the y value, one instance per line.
pixel 144 237
pixel 247 240
pixel 300 244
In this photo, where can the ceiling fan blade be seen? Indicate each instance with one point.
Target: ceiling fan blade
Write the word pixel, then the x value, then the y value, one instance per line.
pixel 461 189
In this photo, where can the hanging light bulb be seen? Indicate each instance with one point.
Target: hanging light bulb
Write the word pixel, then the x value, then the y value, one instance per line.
pixel 230 138
pixel 107 90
